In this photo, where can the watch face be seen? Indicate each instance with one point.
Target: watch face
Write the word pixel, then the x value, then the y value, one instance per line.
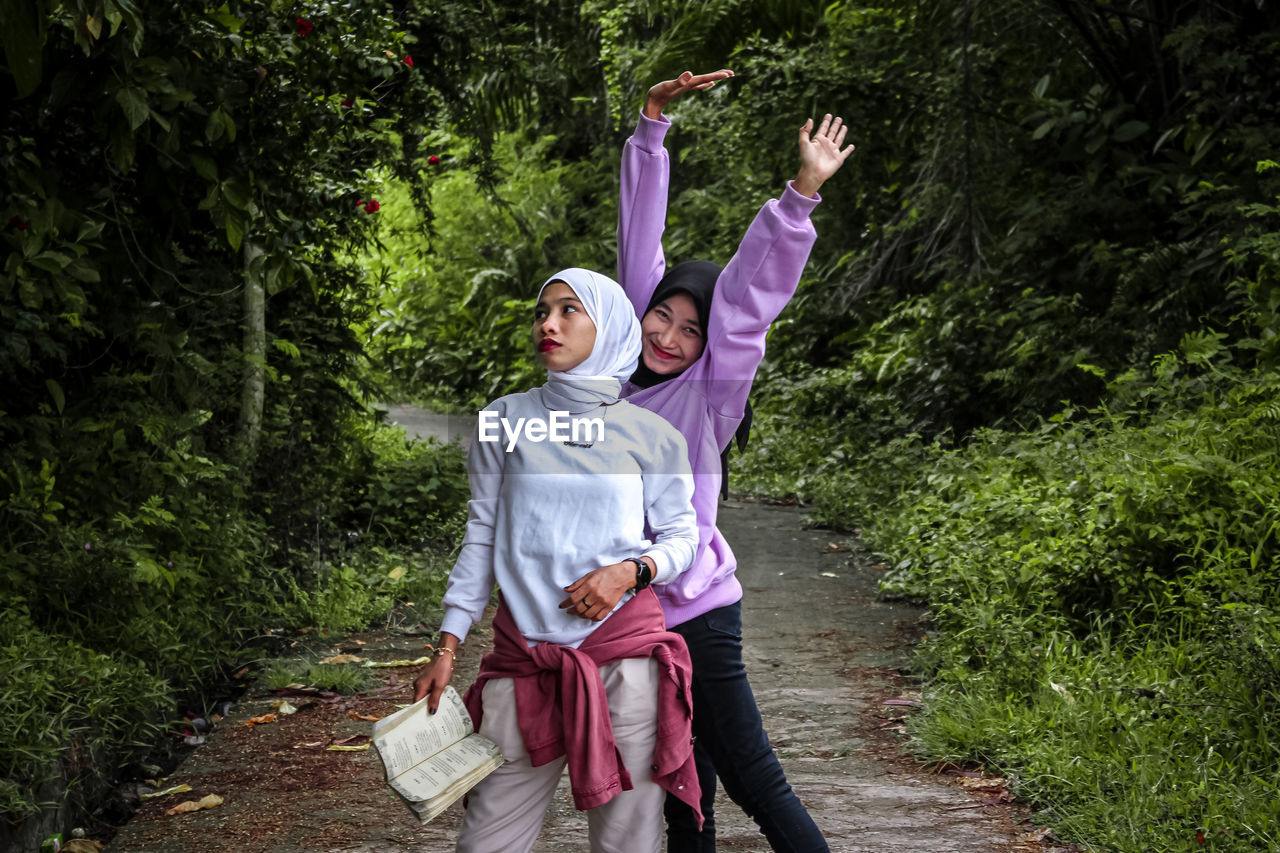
pixel 643 574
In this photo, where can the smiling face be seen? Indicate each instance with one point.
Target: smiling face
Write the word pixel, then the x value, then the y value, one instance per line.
pixel 671 336
pixel 563 334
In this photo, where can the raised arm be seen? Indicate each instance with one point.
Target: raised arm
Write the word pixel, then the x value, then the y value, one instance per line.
pixel 642 207
pixel 762 276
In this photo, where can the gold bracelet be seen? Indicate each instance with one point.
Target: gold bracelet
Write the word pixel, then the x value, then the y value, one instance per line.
pixel 443 650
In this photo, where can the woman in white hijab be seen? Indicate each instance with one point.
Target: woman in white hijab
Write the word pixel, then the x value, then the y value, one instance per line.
pixel 566 478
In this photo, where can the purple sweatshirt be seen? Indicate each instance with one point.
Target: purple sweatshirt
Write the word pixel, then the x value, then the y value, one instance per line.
pixel 706 402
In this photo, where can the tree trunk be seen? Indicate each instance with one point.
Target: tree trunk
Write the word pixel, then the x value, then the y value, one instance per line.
pixel 253 390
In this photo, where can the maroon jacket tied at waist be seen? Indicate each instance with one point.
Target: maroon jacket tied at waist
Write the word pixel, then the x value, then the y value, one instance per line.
pixel 562 708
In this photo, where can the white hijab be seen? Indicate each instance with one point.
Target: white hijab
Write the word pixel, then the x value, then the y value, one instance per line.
pixel 598 379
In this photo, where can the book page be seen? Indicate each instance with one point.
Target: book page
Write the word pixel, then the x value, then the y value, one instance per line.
pixel 411 735
pixel 456 765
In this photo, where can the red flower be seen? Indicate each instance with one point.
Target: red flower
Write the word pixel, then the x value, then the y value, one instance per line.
pixel 304 27
pixel 370 206
pixel 408 60
pixel 1200 836
pixel 433 159
pixel 16 224
pixel 346 103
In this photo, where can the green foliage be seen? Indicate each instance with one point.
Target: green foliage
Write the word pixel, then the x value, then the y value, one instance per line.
pixel 456 310
pixel 155 162
pixel 64 709
pixel 340 678
pixel 1102 591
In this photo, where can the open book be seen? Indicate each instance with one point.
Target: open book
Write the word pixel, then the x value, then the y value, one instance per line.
pixel 433 759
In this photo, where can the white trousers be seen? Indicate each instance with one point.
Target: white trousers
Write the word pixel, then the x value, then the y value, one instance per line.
pixel 504 812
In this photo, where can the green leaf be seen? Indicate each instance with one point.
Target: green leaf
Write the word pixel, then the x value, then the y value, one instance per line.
pixel 224 17
pixel 1129 130
pixel 55 391
pixel 204 167
pixel 81 271
pixel 126 10
pixel 236 193
pixel 122 149
pixel 22 34
pixel 134 102
pixel 54 262
pixel 210 200
pixel 235 230
pixel 220 125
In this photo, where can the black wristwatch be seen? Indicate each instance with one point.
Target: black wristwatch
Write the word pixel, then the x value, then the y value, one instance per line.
pixel 644 576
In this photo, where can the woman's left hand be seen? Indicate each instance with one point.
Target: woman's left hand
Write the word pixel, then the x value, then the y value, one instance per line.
pixel 594 595
pixel 820 154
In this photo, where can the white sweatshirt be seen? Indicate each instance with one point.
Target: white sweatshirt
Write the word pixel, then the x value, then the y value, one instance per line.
pixel 544 513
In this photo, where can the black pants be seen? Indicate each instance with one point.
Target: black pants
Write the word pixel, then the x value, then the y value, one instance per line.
pixel 731 743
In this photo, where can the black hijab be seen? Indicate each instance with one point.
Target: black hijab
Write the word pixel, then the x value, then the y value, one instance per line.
pixel 698 280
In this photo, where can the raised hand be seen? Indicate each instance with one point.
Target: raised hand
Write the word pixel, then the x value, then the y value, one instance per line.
pixel 820 154
pixel 668 90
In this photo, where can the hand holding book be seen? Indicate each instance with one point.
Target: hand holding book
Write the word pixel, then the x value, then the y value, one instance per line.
pixel 431 760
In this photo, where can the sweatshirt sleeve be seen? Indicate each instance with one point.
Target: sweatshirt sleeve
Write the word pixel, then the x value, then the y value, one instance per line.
pixel 642 211
pixel 668 497
pixel 755 286
pixel 472 578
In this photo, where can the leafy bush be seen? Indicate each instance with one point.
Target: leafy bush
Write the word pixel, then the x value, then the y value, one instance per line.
pixel 65 710
pixel 1102 590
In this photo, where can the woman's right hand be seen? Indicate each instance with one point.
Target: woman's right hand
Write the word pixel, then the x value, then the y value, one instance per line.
pixel 435 676
pixel 668 90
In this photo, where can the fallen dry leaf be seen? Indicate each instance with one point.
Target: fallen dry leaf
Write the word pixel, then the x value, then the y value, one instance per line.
pixel 354 739
pixel 257 721
pixel 344 658
pixel 206 802
pixel 340 748
pixel 417 662
pixel 82 845
pixel 371 718
pixel 283 708
pixel 1042 834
